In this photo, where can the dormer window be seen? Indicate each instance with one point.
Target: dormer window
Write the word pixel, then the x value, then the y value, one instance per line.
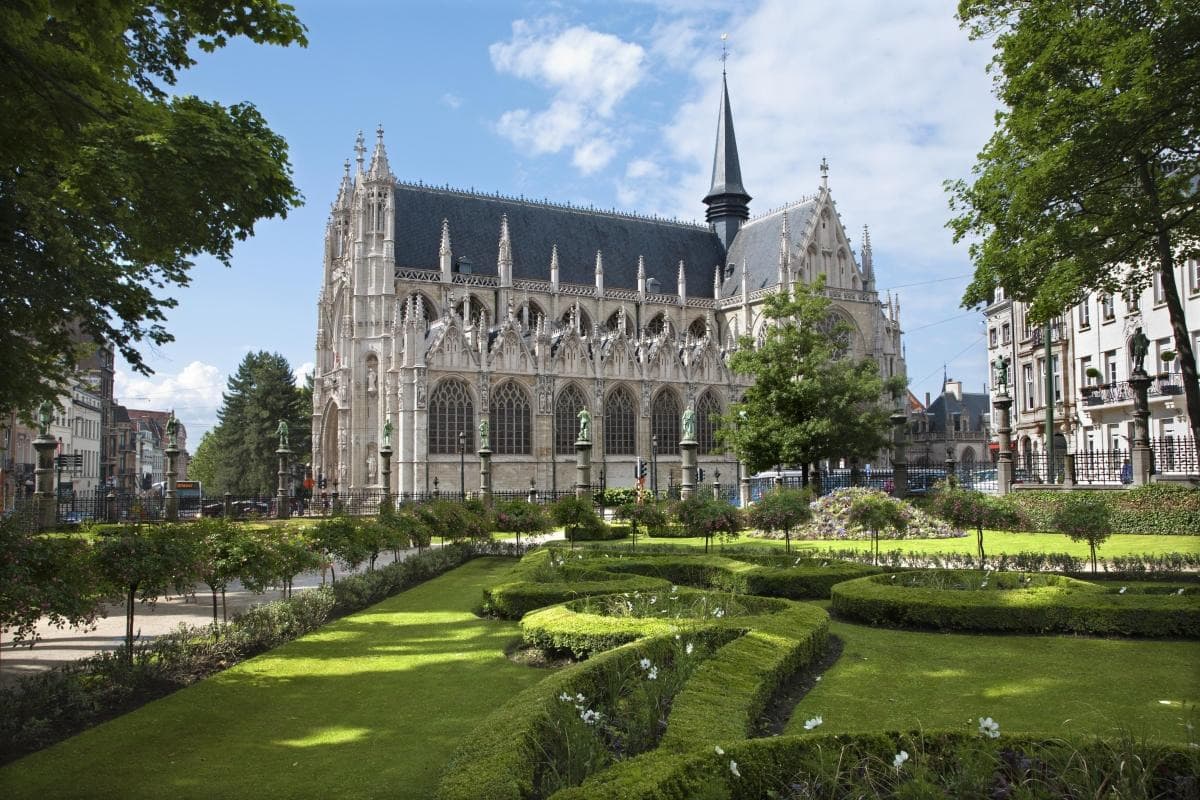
pixel 729 271
pixel 463 266
pixel 652 285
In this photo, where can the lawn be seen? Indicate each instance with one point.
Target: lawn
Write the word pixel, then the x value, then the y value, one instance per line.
pixel 994 542
pixel 1058 685
pixel 370 706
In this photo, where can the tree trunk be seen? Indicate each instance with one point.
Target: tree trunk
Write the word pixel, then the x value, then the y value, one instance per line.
pixel 224 607
pixel 981 556
pixel 1093 546
pixel 130 597
pixel 1185 355
pixel 214 598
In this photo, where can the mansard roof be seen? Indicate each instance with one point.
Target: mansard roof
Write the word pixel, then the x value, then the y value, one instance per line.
pixel 534 228
pixel 756 246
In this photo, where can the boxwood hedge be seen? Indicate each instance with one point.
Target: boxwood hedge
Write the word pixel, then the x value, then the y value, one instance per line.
pixel 1154 508
pixel 1054 604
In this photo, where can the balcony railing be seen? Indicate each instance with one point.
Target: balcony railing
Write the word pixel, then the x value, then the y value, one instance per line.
pixel 1164 385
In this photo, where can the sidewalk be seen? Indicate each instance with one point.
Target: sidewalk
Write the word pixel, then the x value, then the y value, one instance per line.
pixel 61 645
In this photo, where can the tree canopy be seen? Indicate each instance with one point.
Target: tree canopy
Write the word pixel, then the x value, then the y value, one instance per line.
pixel 810 399
pixel 1091 181
pixel 109 185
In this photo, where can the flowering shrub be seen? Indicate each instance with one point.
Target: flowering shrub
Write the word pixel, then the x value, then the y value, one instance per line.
pixel 831 519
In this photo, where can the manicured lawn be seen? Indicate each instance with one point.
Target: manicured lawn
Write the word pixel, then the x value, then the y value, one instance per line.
pixel 1121 544
pixel 890 679
pixel 370 706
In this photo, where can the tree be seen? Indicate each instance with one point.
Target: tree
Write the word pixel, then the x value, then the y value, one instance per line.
pixel 810 399
pixel 143 563
pixel 220 555
pixel 967 508
pixel 340 539
pixel 706 516
pixel 781 510
pixel 1084 520
pixel 1091 181
pixel 645 512
pixel 202 465
pixel 875 512
pixel 261 392
pixel 109 186
pixel 575 514
pixel 519 516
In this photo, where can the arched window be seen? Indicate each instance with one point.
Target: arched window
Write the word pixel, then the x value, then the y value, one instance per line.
pixel 451 411
pixel 664 422
pixel 585 321
pixel 566 419
pixel 968 458
pixel 620 429
pixel 697 328
pixel 657 324
pixel 511 424
pixel 708 410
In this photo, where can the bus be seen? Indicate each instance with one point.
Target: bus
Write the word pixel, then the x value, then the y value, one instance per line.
pixel 188 494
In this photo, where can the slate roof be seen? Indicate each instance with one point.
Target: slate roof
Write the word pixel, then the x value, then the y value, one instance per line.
pixel 757 247
pixel 727 169
pixel 535 227
pixel 973 407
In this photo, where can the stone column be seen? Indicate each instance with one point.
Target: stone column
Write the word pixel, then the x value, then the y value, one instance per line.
pixel 583 469
pixel 1068 470
pixel 44 489
pixel 744 486
pixel 228 506
pixel 1143 457
pixel 899 455
pixel 1004 462
pixel 385 469
pixel 951 466
pixel 716 487
pixel 110 507
pixel 485 475
pixel 170 494
pixel 687 453
pixel 283 503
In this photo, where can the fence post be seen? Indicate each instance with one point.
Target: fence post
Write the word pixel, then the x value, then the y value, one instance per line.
pixel 228 506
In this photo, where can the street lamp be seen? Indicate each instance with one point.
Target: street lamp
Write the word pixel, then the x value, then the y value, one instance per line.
pixel 654 465
pixel 462 464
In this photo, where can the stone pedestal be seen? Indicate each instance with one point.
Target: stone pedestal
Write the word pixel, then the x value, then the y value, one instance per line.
pixel 687 454
pixel 228 509
pixel 485 475
pixel 1143 457
pixel 744 487
pixel 283 505
pixel 110 507
pixel 899 455
pixel 951 468
pixel 44 490
pixel 170 492
pixel 583 469
pixel 385 469
pixel 1069 470
pixel 716 490
pixel 1004 462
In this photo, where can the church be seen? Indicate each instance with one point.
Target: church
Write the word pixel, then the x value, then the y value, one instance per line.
pixel 440 308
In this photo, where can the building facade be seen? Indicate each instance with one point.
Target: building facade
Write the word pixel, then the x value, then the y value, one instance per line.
pixel 442 308
pixel 1091 363
pixel 956 426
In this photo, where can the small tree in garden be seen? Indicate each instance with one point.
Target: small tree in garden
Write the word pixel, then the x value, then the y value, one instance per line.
pixel 966 508
pixel 781 510
pixel 518 516
pixel 574 514
pixel 707 516
pixel 221 555
pixel 465 520
pixel 48 577
pixel 1084 520
pixel 414 522
pixel 646 513
pixel 339 539
pixel 144 563
pixel 277 556
pixel 876 512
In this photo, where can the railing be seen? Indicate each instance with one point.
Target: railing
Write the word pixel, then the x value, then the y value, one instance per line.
pixel 1163 385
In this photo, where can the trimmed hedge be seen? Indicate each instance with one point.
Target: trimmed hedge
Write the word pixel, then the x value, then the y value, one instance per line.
pixel 940 764
pixel 1061 605
pixel 602 533
pixel 1154 508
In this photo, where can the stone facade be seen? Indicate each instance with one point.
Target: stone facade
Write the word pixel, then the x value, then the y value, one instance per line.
pixel 438 305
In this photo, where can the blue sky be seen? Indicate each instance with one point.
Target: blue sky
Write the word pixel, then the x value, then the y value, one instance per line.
pixel 612 104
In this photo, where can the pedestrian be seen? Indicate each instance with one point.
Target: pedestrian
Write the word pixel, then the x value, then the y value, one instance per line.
pixel 1127 472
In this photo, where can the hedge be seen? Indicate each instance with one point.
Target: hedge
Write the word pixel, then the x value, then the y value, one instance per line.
pixel 1155 508
pixel 940 764
pixel 602 533
pixel 1060 605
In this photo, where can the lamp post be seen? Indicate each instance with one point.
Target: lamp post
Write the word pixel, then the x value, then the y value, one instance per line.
pixel 654 465
pixel 462 464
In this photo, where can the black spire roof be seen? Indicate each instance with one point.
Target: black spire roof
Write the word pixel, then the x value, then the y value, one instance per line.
pixel 727 200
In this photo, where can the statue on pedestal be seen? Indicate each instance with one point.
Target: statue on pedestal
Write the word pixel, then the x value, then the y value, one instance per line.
pixel 172 429
pixel 282 432
pixel 483 434
pixel 1139 346
pixel 45 414
pixel 585 425
pixel 1001 365
pixel 689 424
pixel 387 434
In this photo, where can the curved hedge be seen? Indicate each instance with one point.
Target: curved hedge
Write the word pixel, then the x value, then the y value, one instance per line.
pixel 940 764
pixel 1056 604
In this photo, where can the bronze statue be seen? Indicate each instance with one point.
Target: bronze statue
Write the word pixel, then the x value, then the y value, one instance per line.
pixel 1139 346
pixel 1001 365
pixel 45 414
pixel 387 434
pixel 282 432
pixel 585 425
pixel 689 424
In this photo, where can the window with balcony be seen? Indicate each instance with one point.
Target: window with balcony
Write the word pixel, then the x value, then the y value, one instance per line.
pixel 1005 334
pixel 992 337
pixel 1085 364
pixel 1085 314
pixel 1027 380
pixel 1110 366
pixel 1056 369
pixel 1108 311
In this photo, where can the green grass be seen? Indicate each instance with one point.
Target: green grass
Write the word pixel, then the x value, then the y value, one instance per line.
pixel 994 542
pixel 370 706
pixel 1059 685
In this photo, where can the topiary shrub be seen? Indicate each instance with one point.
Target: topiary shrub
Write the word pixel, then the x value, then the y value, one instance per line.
pixel 1157 508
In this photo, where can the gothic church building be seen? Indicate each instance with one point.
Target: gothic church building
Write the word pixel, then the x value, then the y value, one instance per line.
pixel 439 306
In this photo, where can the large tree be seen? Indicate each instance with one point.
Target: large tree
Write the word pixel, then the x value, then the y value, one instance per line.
pixel 1091 181
pixel 110 185
pixel 811 399
pixel 261 393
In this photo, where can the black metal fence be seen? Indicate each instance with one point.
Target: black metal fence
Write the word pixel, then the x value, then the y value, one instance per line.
pixel 1172 456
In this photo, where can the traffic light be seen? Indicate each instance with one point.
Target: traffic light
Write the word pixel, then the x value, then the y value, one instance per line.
pixel 641 469
pixel 321 483
pixel 700 474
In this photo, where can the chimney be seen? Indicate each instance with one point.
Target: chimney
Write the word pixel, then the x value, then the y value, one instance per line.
pixel 953 388
pixel 927 400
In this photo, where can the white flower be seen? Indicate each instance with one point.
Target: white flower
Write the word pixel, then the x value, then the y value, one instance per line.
pixel 812 723
pixel 674 589
pixel 689 648
pixel 589 716
pixel 1179 592
pixel 989 728
pixel 653 600
pixel 566 698
pixel 719 751
pixel 818 678
pixel 653 673
pixel 1123 588
pixel 900 758
pixel 733 768
pixel 579 698
pixel 718 613
pixel 797 561
pixel 645 663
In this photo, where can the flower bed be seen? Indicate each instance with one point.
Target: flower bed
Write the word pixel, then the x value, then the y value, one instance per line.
pixel 831 515
pixel 1014 602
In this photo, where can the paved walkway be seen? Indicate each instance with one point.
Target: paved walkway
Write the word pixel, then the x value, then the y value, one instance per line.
pixel 60 645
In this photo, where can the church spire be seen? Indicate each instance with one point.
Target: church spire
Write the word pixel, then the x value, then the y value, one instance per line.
pixel 345 190
pixel 868 261
pixel 727 200
pixel 504 261
pixel 379 160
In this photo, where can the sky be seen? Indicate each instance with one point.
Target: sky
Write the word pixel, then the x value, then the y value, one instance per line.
pixel 611 104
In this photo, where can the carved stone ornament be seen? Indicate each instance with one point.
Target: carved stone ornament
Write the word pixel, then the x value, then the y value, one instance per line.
pixel 485 383
pixel 419 388
pixel 545 393
pixel 645 398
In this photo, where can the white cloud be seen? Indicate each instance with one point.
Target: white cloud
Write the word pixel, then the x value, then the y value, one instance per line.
pixel 452 101
pixel 302 373
pixel 194 393
pixel 588 73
